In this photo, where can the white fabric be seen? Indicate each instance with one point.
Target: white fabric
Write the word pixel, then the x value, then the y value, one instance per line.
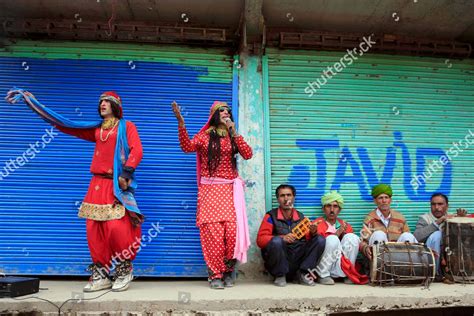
pixel 407 237
pixel 379 237
pixel 385 221
pixel 330 262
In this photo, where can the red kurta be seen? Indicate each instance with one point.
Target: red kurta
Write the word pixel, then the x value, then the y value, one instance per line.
pixel 323 227
pixel 110 234
pixel 100 202
pixel 215 201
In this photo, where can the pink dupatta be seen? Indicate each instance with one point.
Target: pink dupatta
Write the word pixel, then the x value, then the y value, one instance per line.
pixel 242 239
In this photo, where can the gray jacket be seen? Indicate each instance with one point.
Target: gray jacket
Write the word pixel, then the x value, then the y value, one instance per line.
pixel 423 230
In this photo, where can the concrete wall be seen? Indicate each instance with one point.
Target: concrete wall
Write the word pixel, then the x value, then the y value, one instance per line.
pixel 251 123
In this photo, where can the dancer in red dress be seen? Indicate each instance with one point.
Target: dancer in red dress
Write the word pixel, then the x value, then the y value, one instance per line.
pixel 221 215
pixel 113 218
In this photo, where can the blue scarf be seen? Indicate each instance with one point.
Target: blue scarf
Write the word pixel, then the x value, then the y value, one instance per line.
pixel 127 197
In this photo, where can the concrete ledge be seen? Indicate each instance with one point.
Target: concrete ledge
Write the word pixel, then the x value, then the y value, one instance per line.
pixel 247 297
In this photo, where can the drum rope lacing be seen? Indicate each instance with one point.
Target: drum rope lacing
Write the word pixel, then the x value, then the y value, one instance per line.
pixel 386 275
pixel 461 264
pixel 462 269
pixel 391 263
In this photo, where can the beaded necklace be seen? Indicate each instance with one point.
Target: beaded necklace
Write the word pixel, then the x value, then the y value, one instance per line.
pixel 108 134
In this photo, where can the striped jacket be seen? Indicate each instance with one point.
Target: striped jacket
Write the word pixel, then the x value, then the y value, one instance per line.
pixel 372 222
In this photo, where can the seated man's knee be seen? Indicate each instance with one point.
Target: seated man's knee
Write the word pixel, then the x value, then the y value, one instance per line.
pixel 351 238
pixel 378 236
pixel 332 242
pixel 436 236
pixel 276 242
pixel 407 237
pixel 320 240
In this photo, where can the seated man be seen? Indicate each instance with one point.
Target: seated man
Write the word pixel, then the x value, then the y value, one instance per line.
pixel 383 224
pixel 430 226
pixel 342 245
pixel 285 255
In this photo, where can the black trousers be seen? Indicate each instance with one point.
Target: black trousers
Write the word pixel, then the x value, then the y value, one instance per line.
pixel 286 259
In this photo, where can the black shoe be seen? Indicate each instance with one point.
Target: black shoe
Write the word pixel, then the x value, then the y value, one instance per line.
pixel 217 284
pixel 228 279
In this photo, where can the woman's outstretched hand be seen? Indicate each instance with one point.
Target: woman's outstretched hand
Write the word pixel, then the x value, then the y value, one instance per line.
pixel 177 113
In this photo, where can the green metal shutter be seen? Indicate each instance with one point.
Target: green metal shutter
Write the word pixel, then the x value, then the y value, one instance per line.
pixel 381 119
pixel 40 232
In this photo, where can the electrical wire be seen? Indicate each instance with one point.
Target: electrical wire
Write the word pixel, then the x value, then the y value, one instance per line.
pixel 66 301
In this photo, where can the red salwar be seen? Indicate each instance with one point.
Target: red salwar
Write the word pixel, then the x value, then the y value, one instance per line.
pixel 110 233
pixel 216 216
pixel 112 240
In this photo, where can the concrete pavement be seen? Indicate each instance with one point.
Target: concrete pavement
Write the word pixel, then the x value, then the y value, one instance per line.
pixel 155 297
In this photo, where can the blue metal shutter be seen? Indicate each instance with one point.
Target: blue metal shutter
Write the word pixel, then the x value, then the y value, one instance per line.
pixel 381 119
pixel 39 229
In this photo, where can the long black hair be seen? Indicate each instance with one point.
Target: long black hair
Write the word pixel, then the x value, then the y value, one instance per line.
pixel 214 148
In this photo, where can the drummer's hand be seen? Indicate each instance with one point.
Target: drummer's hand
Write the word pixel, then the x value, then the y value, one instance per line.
pixel 368 252
pixel 289 238
pixel 461 212
pixel 124 183
pixel 441 220
pixel 177 113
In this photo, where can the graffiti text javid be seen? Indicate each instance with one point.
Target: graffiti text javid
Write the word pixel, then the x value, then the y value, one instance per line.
pixel 355 166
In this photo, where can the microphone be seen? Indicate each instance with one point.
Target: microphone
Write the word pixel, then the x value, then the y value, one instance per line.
pixel 227 120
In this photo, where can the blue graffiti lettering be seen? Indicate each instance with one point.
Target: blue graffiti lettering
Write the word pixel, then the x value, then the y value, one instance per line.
pixel 362 172
pixel 300 175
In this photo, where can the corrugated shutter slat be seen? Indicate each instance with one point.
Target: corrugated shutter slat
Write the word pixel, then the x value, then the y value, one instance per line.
pixel 40 232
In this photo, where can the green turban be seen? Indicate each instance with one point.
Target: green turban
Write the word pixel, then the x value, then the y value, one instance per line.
pixel 381 188
pixel 331 197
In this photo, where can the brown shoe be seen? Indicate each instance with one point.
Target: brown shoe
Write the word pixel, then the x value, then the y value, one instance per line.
pixel 446 280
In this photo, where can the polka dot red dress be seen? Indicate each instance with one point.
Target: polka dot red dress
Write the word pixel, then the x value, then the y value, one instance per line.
pixel 216 216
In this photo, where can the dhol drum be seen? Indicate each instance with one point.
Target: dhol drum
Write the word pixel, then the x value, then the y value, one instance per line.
pixel 459 248
pixel 402 263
